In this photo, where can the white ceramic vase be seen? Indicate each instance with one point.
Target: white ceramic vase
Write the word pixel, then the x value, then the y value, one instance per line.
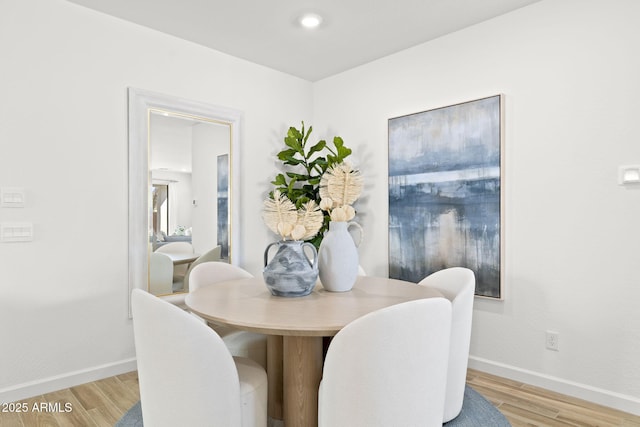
pixel 338 257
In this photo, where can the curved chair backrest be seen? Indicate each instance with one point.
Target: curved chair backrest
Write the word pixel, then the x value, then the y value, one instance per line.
pixel 176 248
pixel 179 271
pixel 240 343
pixel 209 256
pixel 187 376
pixel 209 273
pixel 388 368
pixel 458 285
pixel 160 274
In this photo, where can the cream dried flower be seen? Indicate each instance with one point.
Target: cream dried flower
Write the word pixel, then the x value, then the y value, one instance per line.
pixel 342 184
pixel 349 211
pixel 298 232
pixel 343 213
pixel 280 214
pixel 338 214
pixel 311 218
pixel 282 217
pixel 326 204
pixel 285 228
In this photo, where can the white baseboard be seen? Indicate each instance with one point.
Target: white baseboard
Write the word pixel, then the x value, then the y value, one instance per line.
pixel 621 402
pixel 71 379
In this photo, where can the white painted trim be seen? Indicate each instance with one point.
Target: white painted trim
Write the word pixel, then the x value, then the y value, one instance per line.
pixel 621 402
pixel 71 379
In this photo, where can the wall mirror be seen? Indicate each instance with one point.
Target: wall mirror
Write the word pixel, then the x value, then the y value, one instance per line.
pixel 183 180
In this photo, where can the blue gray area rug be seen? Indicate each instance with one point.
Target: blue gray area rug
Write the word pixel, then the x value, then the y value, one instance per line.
pixel 476 412
pixel 133 417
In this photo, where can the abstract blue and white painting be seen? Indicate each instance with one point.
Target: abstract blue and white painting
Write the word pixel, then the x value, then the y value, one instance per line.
pixel 223 205
pixel 445 180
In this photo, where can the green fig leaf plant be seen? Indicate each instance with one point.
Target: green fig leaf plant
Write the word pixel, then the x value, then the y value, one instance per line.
pixel 305 163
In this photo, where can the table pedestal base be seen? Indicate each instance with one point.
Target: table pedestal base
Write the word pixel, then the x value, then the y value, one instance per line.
pixel 302 361
pixel 294 370
pixel 274 377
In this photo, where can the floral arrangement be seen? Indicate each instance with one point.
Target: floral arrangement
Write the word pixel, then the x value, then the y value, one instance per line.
pixel 340 187
pixel 317 187
pixel 282 217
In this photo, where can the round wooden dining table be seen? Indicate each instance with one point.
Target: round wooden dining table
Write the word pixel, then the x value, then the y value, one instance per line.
pixel 181 258
pixel 295 328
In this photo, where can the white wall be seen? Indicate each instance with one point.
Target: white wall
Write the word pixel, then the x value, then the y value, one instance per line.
pixel 569 70
pixel 180 196
pixel 63 138
pixel 170 146
pixel 209 141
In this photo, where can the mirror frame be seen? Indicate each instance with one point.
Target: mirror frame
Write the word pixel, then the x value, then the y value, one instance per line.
pixel 141 103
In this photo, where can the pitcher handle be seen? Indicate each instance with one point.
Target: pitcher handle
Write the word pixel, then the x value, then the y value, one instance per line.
pixel 359 227
pixel 315 254
pixel 266 252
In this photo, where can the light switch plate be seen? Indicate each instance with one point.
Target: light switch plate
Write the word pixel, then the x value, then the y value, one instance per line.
pixel 16 232
pixel 12 197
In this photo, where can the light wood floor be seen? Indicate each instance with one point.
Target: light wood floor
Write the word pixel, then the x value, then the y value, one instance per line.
pixel 102 403
pixel 526 405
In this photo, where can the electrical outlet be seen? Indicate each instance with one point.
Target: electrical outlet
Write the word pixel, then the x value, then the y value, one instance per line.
pixel 553 340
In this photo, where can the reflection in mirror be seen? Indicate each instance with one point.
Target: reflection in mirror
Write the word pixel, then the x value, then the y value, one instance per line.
pixel 189 166
pixel 183 169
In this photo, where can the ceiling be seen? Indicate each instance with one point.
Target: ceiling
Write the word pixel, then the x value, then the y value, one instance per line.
pixel 353 32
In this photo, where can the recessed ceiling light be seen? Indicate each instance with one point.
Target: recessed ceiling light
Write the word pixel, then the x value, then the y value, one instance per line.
pixel 310 20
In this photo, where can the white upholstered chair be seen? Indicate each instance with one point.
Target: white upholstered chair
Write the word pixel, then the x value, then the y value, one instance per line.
pixel 209 256
pixel 160 274
pixel 179 271
pixel 388 368
pixel 458 285
pixel 240 343
pixel 176 248
pixel 187 376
